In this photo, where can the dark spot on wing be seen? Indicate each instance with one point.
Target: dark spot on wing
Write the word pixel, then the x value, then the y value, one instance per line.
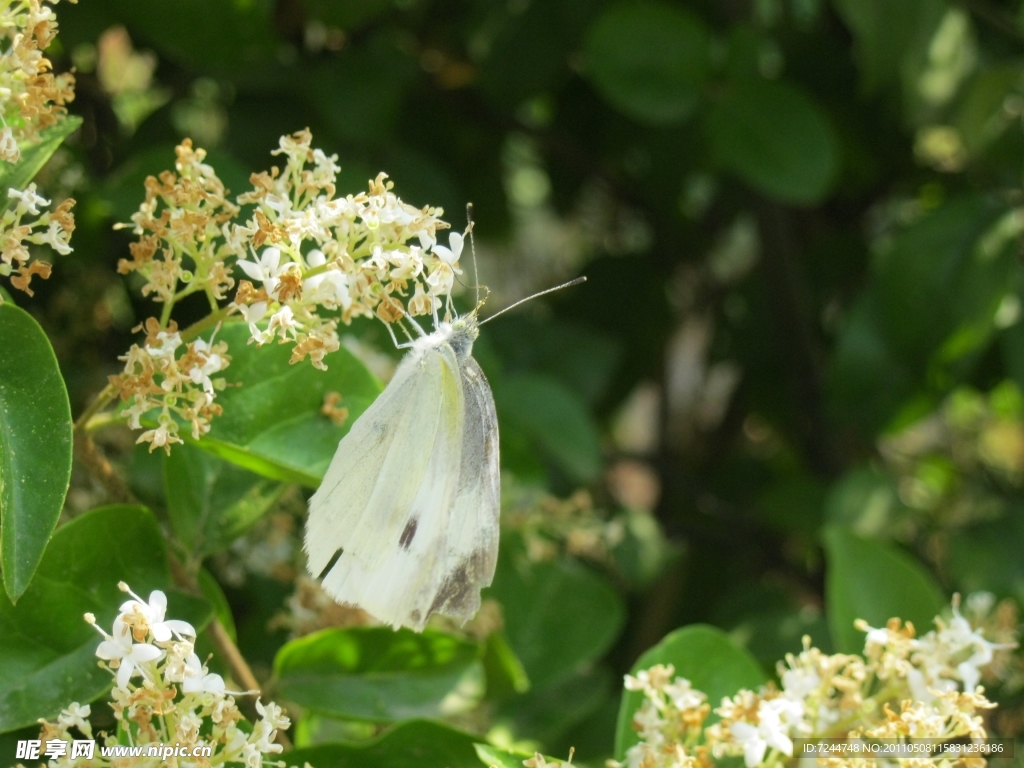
pixel 415 616
pixel 460 591
pixel 410 530
pixel 330 564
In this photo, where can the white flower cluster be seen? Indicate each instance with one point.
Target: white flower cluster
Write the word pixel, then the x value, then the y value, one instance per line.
pixel 33 98
pixel 948 658
pixel 163 693
pixel 311 259
pixel 900 687
pixel 306 249
pixel 22 223
pixel 157 376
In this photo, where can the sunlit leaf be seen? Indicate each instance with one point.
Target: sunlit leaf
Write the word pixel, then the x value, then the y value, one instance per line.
pixel 379 674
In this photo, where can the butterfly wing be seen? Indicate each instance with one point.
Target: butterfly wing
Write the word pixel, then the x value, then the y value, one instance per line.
pixel 387 497
pixel 472 543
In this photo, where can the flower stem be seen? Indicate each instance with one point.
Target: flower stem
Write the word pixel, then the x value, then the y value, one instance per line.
pixel 102 400
pixel 209 321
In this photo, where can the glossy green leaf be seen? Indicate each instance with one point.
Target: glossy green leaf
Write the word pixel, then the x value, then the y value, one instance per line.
pixel 34 156
pixel 775 138
pixel 272 424
pixel 35 446
pixel 649 60
pixel 47 651
pixel 379 674
pixel 211 502
pixel 554 418
pixel 874 581
pixel 702 654
pixel 412 744
pixel 560 616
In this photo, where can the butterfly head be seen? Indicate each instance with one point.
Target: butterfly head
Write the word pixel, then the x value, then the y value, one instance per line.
pixel 464 332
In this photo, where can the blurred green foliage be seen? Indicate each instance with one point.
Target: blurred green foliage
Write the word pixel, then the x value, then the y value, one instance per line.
pixel 800 347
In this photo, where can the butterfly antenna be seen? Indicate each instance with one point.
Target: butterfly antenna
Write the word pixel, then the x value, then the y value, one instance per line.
pixel 472 250
pixel 570 284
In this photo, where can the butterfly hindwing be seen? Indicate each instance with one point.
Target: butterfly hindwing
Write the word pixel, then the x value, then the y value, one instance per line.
pixel 472 545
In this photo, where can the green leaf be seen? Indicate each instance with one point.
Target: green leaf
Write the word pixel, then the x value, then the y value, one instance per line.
pixel 412 744
pixel 47 651
pixel 553 417
pixel 191 33
pixel 874 581
pixel 211 502
pixel 218 602
pixel 379 674
pixel 547 714
pixel 935 277
pixel 490 755
pixel 504 670
pixel 889 37
pixel 560 616
pixel 649 60
pixel 702 654
pixel 272 424
pixel 34 156
pixel 502 758
pixel 35 446
pixel 775 138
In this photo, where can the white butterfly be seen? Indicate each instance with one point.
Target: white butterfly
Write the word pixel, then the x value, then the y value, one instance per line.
pixel 405 522
pixel 411 498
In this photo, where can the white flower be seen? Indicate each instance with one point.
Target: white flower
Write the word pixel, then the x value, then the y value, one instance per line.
pixel 166 344
pixel 406 265
pixel 772 730
pixel 798 683
pixel 683 696
pixel 284 319
pixel 267 270
pixel 154 612
pixel 197 682
pixel 441 280
pixel 214 363
pixel 273 715
pixel 130 656
pixel 27 200
pixel 55 237
pixel 450 256
pixel 8 146
pixel 159 437
pixel 253 313
pixel 75 716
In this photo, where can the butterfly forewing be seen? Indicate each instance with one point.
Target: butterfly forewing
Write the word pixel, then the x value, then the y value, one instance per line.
pixel 388 494
pixel 392 441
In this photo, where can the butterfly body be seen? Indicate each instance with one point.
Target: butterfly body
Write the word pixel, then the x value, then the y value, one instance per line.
pixel 408 509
